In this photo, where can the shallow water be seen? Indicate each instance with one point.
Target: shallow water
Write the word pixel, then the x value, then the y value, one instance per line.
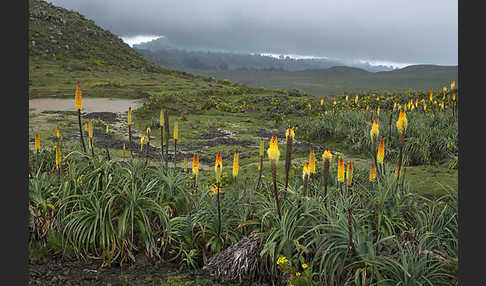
pixel 39 105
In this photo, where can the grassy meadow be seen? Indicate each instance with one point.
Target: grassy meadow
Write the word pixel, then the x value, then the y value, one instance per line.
pixel 346 218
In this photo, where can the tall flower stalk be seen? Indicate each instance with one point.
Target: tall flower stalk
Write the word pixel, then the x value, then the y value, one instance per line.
pixel 305 177
pixel 326 158
pixel 402 124
pixel 374 132
pixel 236 166
pixel 90 134
pixel 195 169
pixel 37 150
pixel 218 169
pixel 161 124
pixel 274 154
pixel 260 163
pixel 78 104
pixel 107 136
pixel 289 135
pixel 176 136
pixel 340 174
pixel 166 129
pixel 129 123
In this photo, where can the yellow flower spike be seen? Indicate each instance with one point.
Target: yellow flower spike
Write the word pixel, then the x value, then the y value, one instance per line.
pixel 381 152
pixel 312 162
pixel 334 102
pixel 195 164
pixel 341 170
pixel 309 106
pixel 107 129
pixel 394 106
pixel 327 155
pixel 378 111
pixel 78 101
pixel 290 131
pixel 356 99
pixel 235 165
pixel 176 130
pixel 396 170
pixel 262 147
pixel 37 142
pixel 85 126
pixel 375 131
pixel 90 128
pixel 305 170
pixel 129 118
pixel 141 143
pixel 416 103
pixel 367 107
pixel 148 130
pixel 322 101
pixel 259 165
pixel 273 152
pixel 454 96
pixel 123 148
pixel 161 120
pixel 58 133
pixel 453 84
pixel 218 167
pixel 349 173
pixel 346 98
pixel 425 106
pixel 402 122
pixel 444 89
pixel 372 173
pixel 431 94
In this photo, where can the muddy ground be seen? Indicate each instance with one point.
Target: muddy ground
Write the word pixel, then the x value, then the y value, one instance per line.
pixel 56 270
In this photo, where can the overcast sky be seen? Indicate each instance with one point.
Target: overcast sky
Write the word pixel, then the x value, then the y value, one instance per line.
pixel 412 31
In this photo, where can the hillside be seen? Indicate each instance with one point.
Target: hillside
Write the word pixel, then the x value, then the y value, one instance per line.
pixel 65 47
pixel 336 80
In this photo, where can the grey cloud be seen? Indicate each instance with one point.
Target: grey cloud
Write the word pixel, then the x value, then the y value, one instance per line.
pixel 411 31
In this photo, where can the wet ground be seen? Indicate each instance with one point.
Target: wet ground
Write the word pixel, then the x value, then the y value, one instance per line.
pixel 56 270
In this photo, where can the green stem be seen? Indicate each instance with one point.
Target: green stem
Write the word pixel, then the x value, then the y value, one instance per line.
pixel 81 130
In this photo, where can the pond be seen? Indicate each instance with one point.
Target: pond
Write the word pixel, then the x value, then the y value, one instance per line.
pixel 39 105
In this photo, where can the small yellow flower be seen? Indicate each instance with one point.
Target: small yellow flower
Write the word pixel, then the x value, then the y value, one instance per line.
pixel 297 274
pixel 304 266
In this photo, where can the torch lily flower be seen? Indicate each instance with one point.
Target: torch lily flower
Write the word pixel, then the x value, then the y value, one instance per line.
pixel 305 170
pixel 235 165
pixel 78 102
pixel 349 173
pixel 290 132
pixel 273 152
pixel 218 167
pixel 37 142
pixel 195 164
pixel 374 132
pixel 341 170
pixel 372 173
pixel 129 118
pixel 312 162
pixel 176 130
pixel 402 122
pixel 381 151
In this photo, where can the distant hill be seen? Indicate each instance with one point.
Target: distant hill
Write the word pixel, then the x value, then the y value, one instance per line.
pixel 341 79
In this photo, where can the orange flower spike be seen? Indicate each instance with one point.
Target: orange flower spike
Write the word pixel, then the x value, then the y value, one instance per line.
pixel 218 167
pixel 356 99
pixel 78 101
pixel 341 170
pixel 375 131
pixel 381 151
pixel 431 94
pixel 312 162
pixel 195 164
pixel 235 165
pixel 37 142
pixel 372 173
pixel 349 173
